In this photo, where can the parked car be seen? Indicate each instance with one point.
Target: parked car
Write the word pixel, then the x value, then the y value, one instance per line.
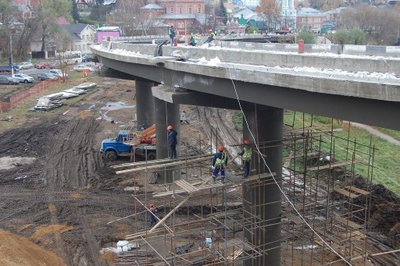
pixel 8 80
pixel 89 58
pixel 7 68
pixel 42 65
pixel 25 65
pixel 22 78
pixel 83 67
pixel 47 76
pixel 58 72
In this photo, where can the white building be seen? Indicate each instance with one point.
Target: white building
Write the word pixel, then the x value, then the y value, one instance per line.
pixel 251 3
pixel 288 13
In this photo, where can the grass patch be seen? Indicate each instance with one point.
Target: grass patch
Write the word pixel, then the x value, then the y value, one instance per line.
pixel 22 114
pixel 393 133
pixel 237 120
pixel 386 155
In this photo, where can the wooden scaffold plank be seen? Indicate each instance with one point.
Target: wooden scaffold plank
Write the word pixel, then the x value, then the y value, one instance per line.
pixel 162 165
pixel 152 162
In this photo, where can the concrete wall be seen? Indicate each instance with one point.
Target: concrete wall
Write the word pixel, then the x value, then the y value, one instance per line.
pixel 252 56
pixel 371 50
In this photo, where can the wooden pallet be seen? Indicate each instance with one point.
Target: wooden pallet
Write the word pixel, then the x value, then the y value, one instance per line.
pixel 350 223
pixel 351 192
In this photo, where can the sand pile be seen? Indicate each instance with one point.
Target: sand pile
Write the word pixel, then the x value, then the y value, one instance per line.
pixel 16 251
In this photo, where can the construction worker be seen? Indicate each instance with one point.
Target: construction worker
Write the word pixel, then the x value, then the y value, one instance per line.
pixel 153 214
pixel 171 33
pixel 246 157
pixel 211 37
pixel 183 118
pixel 218 164
pixel 192 41
pixel 172 141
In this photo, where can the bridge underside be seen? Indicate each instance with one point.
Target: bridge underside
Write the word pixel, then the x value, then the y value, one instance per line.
pixel 362 110
pixel 263 105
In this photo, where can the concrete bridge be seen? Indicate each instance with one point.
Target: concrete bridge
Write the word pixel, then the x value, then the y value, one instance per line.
pixel 354 88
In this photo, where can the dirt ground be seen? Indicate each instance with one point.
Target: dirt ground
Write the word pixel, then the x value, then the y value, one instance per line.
pixel 60 195
pixel 55 189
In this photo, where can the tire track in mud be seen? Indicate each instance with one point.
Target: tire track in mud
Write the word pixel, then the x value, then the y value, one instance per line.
pixel 211 119
pixel 71 162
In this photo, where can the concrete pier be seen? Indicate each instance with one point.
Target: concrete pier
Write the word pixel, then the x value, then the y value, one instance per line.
pixel 144 103
pixel 166 114
pixel 262 202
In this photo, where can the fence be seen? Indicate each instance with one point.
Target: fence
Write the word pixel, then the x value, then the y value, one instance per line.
pixel 15 99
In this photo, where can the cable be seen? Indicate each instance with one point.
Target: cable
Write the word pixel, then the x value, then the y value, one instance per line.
pixel 273 177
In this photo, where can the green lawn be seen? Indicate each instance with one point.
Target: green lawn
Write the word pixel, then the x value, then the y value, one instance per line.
pixel 385 167
pixel 23 115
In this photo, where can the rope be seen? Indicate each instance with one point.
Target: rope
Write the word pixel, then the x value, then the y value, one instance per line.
pixel 273 177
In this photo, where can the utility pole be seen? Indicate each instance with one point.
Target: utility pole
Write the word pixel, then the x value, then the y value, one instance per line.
pixel 11 56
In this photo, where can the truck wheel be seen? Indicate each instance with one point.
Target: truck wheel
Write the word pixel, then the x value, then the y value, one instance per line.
pixel 111 155
pixel 151 156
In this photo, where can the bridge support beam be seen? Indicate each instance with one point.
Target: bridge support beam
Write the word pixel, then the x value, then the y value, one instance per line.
pixel 166 114
pixel 144 102
pixel 262 201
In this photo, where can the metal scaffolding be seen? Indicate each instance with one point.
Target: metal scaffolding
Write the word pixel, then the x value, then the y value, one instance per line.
pixel 200 223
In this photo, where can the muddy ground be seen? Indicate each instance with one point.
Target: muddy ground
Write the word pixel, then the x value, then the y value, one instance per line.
pixel 56 189
pixel 68 182
pixel 58 192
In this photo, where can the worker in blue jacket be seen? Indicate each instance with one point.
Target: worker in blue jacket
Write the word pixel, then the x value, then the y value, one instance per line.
pixel 172 141
pixel 218 164
pixel 171 33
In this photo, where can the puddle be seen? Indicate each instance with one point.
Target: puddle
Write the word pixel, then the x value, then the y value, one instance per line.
pixel 12 162
pixel 112 106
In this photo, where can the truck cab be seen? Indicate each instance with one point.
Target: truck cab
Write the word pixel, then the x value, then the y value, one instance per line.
pixel 122 145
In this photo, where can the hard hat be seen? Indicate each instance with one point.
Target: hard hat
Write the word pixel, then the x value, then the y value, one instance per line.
pixel 221 148
pixel 246 142
pixel 169 127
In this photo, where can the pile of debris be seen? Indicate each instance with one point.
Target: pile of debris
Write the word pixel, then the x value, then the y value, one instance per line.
pixel 52 101
pixel 383 209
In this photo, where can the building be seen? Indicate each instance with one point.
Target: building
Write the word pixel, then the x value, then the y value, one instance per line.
pixel 188 16
pixel 152 10
pixel 106 32
pixel 83 36
pixel 25 7
pixel 288 13
pixel 310 19
pixel 251 3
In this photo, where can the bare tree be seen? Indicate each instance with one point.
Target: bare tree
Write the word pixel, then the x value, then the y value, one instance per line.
pixel 380 25
pixel 7 12
pixel 47 12
pixel 270 11
pixel 131 18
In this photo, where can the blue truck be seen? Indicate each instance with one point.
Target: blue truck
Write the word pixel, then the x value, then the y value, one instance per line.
pixel 123 145
pixel 7 68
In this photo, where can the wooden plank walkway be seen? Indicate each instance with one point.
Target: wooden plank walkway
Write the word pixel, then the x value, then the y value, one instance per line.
pixel 351 192
pixel 163 165
pixel 202 186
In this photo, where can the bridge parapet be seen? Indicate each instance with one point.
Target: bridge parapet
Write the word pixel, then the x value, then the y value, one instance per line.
pixel 251 55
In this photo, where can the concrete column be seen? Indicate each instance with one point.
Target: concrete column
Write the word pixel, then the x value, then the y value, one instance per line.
pixel 166 114
pixel 262 202
pixel 144 103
